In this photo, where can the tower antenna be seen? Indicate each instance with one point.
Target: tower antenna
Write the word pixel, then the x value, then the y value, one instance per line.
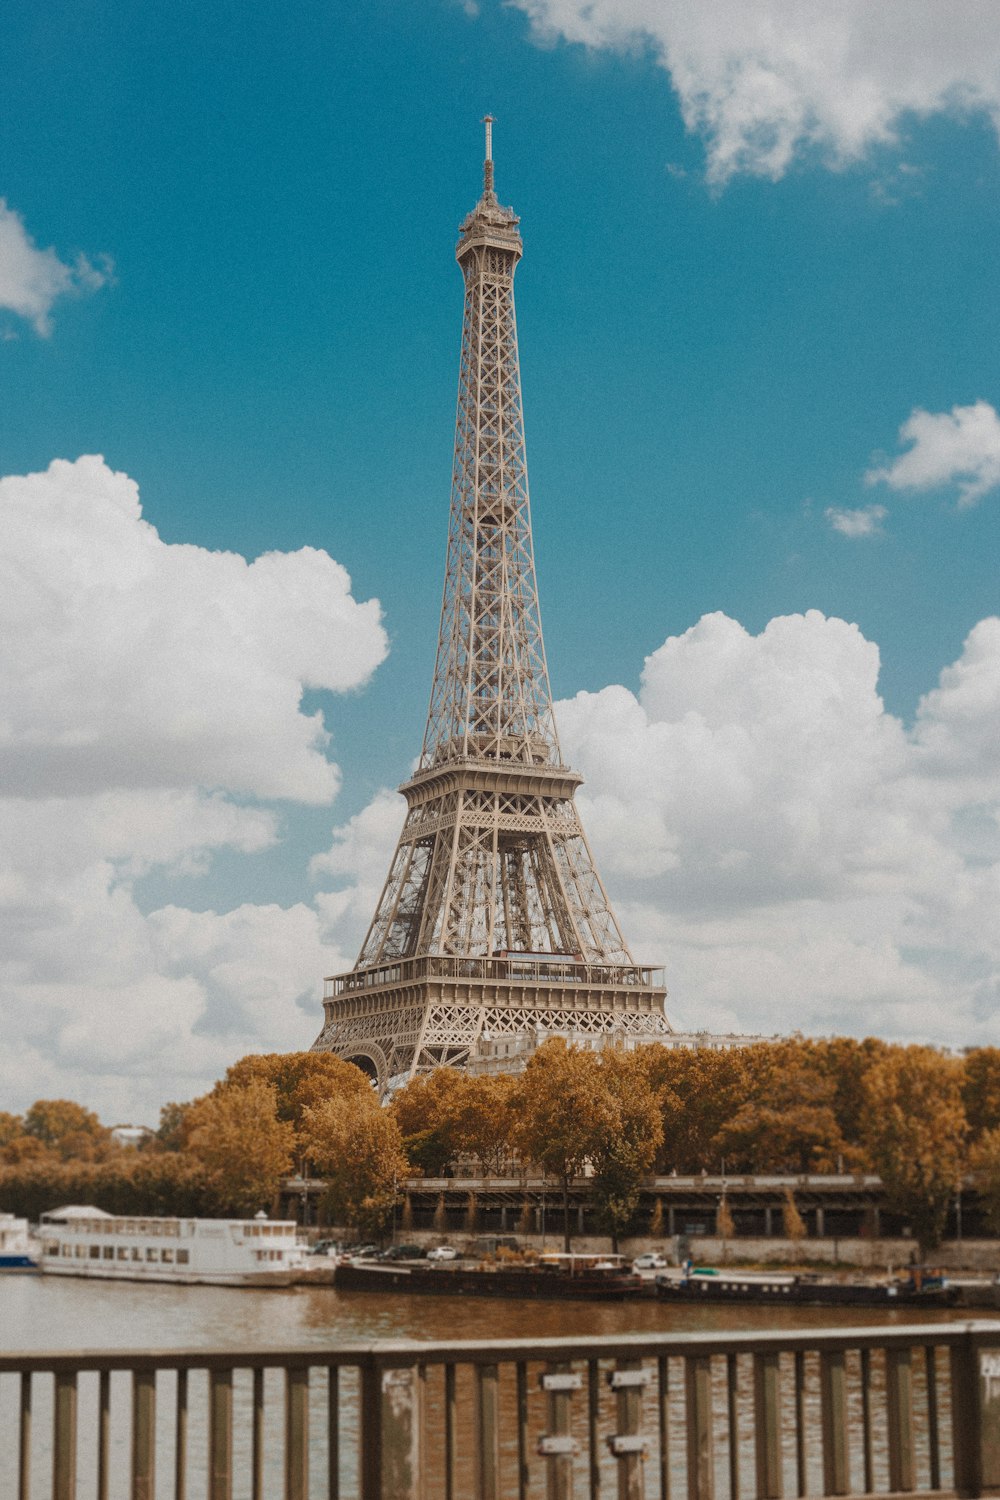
pixel 488 121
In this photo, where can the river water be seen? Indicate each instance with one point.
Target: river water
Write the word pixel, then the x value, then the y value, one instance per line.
pixel 62 1313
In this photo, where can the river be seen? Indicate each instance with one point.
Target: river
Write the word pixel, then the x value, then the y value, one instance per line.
pixel 57 1313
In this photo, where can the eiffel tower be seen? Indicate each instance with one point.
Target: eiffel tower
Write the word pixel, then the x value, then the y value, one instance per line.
pixel 493 922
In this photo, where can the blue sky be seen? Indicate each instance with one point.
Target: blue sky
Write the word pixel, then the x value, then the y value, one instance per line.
pixel 731 301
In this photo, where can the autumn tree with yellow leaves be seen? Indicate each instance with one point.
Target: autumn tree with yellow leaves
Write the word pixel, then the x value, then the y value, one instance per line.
pixel 915 1129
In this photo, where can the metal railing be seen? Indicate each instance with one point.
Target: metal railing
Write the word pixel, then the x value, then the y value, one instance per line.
pixel 864 1411
pixel 516 970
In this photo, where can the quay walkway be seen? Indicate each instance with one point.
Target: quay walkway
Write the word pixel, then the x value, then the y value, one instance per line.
pixel 896 1410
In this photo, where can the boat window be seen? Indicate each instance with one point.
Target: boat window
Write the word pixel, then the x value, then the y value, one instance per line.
pixel 136 1253
pixel 95 1252
pixel 122 1253
pixel 166 1255
pixel 109 1252
pixel 151 1253
pixel 79 1251
pixel 183 1256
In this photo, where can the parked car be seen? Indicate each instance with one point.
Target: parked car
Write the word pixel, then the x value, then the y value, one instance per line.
pixel 363 1252
pixel 325 1247
pixel 403 1252
pixel 443 1252
pixel 649 1260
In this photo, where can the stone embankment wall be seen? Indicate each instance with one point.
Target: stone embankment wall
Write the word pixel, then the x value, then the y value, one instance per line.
pixel 866 1254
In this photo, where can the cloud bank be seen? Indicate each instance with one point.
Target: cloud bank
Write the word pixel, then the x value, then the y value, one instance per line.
pixel 33 280
pixel 958 448
pixel 767 81
pixel 151 718
pixel 794 854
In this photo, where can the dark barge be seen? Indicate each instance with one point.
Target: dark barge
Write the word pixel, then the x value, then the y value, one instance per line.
pixel 805 1290
pixel 586 1277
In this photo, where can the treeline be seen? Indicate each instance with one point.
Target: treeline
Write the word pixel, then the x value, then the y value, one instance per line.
pixel 920 1118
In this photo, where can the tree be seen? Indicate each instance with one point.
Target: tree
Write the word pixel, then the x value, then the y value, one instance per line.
pixel 724 1226
pixel 301 1081
pixel 981 1090
pixel 357 1149
pixel 236 1135
pixel 792 1221
pixel 786 1122
pixel 421 1109
pixel 172 1132
pixel 985 1164
pixel 11 1127
pixel 478 1119
pixel 699 1089
pixel 564 1112
pixel 627 1142
pixel 73 1132
pixel 916 1131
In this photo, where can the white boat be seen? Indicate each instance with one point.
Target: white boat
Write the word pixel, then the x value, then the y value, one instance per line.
pixel 18 1249
pixel 84 1241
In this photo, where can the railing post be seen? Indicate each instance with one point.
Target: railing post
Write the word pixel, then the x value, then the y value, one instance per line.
pixel 487 1432
pixel 64 1438
pixel 391 1431
pixel 833 1413
pixel 899 1403
pixel 143 1434
pixel 628 1380
pixel 220 1435
pixel 767 1424
pixel 297 1433
pixel 24 1439
pixel 975 1414
pixel 558 1447
pixel 698 1403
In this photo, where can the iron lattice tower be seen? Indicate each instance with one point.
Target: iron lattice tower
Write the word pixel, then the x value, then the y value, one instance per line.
pixel 493 920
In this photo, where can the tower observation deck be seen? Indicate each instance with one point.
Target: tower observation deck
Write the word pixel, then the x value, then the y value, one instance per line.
pixel 493 921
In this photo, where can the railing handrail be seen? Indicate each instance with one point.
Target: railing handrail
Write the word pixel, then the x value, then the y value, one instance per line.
pixel 411 1352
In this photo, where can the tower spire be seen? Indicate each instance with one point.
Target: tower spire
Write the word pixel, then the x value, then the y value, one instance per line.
pixel 493 918
pixel 488 121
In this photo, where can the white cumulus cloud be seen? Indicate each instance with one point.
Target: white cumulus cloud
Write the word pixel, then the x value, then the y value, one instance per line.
pixel 865 521
pixel 150 715
pixel 958 448
pixel 32 280
pixel 764 81
pixel 796 856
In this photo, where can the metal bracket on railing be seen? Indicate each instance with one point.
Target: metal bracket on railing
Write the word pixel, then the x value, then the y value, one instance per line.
pixel 561 1382
pixel 619 1379
pixel 554 1447
pixel 625 1444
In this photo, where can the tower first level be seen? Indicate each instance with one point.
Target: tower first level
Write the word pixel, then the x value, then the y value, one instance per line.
pixel 493 921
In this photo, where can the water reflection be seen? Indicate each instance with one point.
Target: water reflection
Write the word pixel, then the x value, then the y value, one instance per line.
pixel 55 1313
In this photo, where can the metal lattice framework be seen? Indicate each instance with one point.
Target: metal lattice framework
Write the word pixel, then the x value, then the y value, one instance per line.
pixel 492 870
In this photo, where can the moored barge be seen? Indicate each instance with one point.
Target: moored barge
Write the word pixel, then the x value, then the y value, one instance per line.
pixel 805 1290
pixel 586 1277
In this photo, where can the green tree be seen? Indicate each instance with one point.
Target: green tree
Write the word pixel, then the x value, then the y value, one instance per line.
pixel 916 1131
pixel 564 1112
pixel 236 1135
